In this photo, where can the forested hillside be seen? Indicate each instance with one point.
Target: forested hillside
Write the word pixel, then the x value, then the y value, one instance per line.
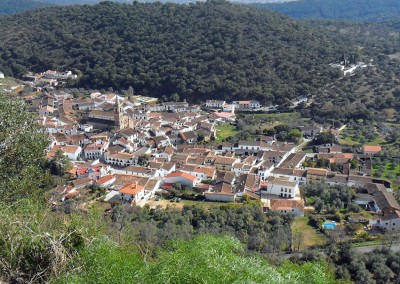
pixel 204 50
pixel 9 7
pixel 358 10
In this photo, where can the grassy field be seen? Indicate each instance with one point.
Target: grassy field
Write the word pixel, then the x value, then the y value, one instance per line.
pixel 310 236
pixel 225 131
pixel 6 83
pixel 390 171
pixel 179 205
pixel 377 141
pixel 348 137
pixel 347 140
pixel 277 115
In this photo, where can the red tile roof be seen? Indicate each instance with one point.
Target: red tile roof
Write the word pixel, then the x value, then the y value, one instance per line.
pixel 317 172
pixel 105 179
pixel 374 149
pixel 131 189
pixel 287 204
pixel 182 174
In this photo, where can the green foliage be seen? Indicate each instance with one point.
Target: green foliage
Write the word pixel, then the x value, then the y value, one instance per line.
pixel 22 148
pixel 247 222
pixel 379 266
pixel 355 163
pixel 199 51
pixel 37 244
pixel 324 196
pixel 143 160
pixel 285 133
pixel 324 138
pixel 104 262
pixel 204 259
pixel 225 131
pixel 59 165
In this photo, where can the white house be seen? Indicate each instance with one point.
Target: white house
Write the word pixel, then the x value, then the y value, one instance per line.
pixel 229 108
pixel 246 105
pixel 286 206
pixel 136 171
pixel 95 151
pixel 265 169
pixel 215 103
pixel 132 193
pixel 221 192
pixel 120 159
pixel 87 127
pixel 390 222
pixel 163 169
pixel 105 181
pixel 182 178
pixel 201 172
pixel 1 75
pixel 282 187
pixel 371 150
pixel 72 152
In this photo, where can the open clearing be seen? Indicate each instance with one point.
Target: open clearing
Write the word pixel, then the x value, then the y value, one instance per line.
pixel 310 236
pixel 225 131
pixel 164 203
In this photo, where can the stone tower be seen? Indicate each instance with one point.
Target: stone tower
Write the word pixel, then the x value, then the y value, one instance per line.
pixel 118 114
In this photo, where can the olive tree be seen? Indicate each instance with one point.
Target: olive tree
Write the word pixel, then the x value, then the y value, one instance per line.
pixel 22 148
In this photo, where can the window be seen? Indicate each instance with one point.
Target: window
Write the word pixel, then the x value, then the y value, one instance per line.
pixel 290 190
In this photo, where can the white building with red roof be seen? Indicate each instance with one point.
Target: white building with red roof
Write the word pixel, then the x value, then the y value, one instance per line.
pixel 132 193
pixel 105 181
pixel 181 177
pixel 72 152
pixel 246 105
pixel 371 150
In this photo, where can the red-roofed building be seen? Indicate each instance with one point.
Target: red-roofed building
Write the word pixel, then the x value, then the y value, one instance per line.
pixel 316 175
pixel 246 105
pixel 295 207
pixel 72 152
pixel 371 150
pixel 183 178
pixel 132 193
pixel 105 181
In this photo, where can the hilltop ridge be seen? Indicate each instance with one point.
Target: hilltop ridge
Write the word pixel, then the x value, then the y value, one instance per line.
pixel 203 50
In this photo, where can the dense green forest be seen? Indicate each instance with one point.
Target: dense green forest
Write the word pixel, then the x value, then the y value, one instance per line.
pixel 204 50
pixel 200 51
pixel 355 10
pixel 8 7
